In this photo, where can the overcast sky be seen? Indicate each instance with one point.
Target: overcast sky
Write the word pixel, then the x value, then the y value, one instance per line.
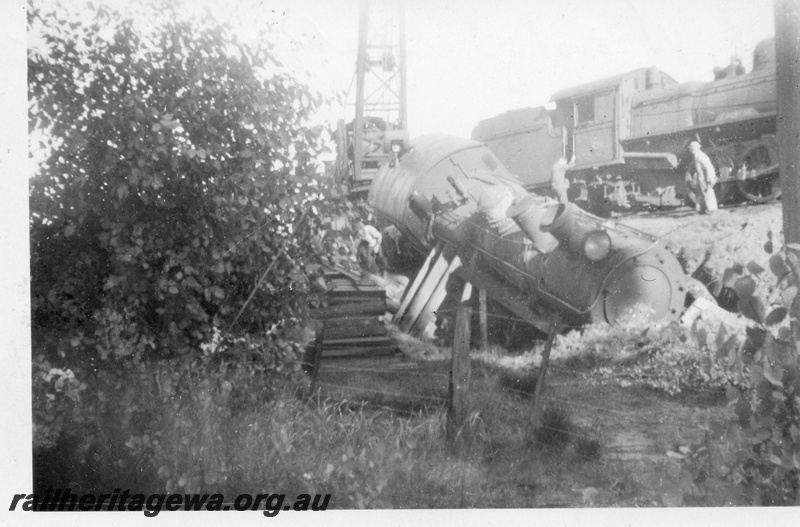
pixel 472 59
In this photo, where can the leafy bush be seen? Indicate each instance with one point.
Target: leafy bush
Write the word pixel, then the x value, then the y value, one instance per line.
pixel 179 199
pixel 180 166
pixel 759 454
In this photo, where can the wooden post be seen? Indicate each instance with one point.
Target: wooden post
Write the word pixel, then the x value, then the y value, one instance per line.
pixel 484 323
pixel 539 390
pixel 457 403
pixel 317 358
pixel 787 54
pixel 510 333
pixel 411 290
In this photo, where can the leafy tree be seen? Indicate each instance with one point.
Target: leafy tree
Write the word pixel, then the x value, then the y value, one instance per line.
pixel 181 165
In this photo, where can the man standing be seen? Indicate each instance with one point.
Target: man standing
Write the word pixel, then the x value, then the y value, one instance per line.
pixel 368 248
pixel 702 180
pixel 371 235
pixel 559 177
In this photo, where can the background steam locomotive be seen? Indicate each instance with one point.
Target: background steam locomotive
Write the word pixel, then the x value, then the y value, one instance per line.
pixel 629 135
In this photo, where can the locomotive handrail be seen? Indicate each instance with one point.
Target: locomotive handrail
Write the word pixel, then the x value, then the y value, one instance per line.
pixel 688 129
pixel 706 108
pixel 711 87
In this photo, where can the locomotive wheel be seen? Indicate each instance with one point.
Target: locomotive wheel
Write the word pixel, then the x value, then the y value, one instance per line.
pixel 727 191
pixel 757 174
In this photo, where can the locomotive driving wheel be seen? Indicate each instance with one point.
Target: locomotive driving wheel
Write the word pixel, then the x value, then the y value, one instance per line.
pixel 757 173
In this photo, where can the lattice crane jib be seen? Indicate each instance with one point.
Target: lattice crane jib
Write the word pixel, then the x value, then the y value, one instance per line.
pixel 380 122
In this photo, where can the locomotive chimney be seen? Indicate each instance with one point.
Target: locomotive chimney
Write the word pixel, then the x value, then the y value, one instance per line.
pixel 764 55
pixel 650 78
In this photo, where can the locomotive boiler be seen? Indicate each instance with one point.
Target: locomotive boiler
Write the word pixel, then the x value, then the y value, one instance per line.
pixel 463 216
pixel 630 132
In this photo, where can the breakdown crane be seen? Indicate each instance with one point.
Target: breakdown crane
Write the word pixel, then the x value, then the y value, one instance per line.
pixel 378 130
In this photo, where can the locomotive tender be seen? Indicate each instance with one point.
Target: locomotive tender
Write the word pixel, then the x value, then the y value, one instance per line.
pixel 631 131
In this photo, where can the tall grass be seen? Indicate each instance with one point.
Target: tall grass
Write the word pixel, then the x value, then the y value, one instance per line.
pixel 208 437
pixel 232 432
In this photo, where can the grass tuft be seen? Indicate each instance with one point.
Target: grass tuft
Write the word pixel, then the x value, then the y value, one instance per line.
pixel 554 430
pixel 522 382
pixel 587 449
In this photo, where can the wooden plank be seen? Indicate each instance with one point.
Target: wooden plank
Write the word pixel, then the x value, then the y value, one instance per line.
pixel 370 305
pixel 375 351
pixel 351 299
pixel 350 290
pixel 436 298
pixel 358 342
pixel 336 276
pixel 339 281
pixel 411 290
pixel 427 287
pixel 351 319
pixel 397 362
pixel 346 273
pixel 348 282
pixel 332 323
pixel 364 309
pixel 356 331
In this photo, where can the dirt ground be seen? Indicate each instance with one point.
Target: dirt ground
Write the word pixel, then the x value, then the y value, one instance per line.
pixel 731 235
pixel 616 454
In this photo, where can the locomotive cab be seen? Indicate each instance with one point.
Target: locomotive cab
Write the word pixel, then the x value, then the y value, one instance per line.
pixel 597 115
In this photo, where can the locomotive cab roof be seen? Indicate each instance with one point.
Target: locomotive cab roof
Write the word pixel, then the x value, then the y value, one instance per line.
pixel 657 78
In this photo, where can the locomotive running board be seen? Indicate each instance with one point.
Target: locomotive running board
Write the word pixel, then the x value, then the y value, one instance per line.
pixel 659 160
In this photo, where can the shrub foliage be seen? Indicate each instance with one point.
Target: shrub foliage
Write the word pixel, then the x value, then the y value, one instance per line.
pixel 180 164
pixel 756 458
pixel 178 182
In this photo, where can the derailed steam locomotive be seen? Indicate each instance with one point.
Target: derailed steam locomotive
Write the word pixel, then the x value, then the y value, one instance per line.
pixel 452 199
pixel 631 131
